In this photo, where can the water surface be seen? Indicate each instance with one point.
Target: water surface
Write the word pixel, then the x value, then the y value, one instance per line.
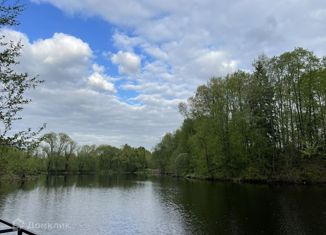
pixel 161 205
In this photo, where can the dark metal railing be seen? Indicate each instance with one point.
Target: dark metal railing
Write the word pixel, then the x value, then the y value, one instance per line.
pixel 14 228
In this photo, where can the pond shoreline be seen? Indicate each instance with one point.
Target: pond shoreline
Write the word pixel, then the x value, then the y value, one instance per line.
pixel 154 172
pixel 272 181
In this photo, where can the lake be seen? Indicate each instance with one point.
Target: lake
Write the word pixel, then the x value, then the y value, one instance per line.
pixel 161 205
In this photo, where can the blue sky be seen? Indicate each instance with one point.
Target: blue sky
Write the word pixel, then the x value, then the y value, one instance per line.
pixel 116 70
pixel 41 21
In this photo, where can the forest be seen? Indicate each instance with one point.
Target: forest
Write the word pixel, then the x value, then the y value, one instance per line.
pixel 265 124
pixel 58 154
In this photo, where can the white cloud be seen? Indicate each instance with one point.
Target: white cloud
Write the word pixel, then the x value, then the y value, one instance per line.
pixel 97 80
pixel 178 48
pixel 61 59
pixel 128 62
pixel 212 63
pixel 74 97
pixel 223 23
pixel 60 49
pixel 122 13
pixel 123 41
pixel 158 100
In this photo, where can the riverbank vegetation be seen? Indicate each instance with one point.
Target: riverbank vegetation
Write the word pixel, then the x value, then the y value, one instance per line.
pixel 59 154
pixel 268 124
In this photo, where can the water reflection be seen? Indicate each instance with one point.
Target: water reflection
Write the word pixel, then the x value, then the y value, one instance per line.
pixel 162 205
pixel 225 208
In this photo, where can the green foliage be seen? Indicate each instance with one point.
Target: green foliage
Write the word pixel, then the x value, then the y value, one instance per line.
pixel 20 163
pixel 59 154
pixel 259 124
pixel 13 84
pixel 63 156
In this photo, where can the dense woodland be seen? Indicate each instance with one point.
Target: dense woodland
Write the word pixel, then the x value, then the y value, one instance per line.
pixel 59 154
pixel 266 124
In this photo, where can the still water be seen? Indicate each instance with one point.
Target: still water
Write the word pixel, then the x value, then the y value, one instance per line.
pixel 161 205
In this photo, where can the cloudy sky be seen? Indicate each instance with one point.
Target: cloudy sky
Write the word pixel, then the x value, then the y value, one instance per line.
pixel 115 70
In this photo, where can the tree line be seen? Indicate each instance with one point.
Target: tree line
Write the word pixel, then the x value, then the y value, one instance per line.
pixel 264 124
pixel 57 153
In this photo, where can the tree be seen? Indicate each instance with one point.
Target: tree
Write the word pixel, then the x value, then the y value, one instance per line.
pixel 13 85
pixel 58 145
pixel 261 107
pixel 50 143
pixel 49 146
pixel 267 123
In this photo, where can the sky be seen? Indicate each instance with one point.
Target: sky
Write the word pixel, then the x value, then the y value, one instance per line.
pixel 115 71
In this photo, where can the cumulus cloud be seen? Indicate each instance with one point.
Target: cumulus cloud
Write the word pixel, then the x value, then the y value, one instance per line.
pixel 78 97
pixel 168 50
pixel 98 81
pixel 61 59
pixel 224 23
pixel 60 49
pixel 128 62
